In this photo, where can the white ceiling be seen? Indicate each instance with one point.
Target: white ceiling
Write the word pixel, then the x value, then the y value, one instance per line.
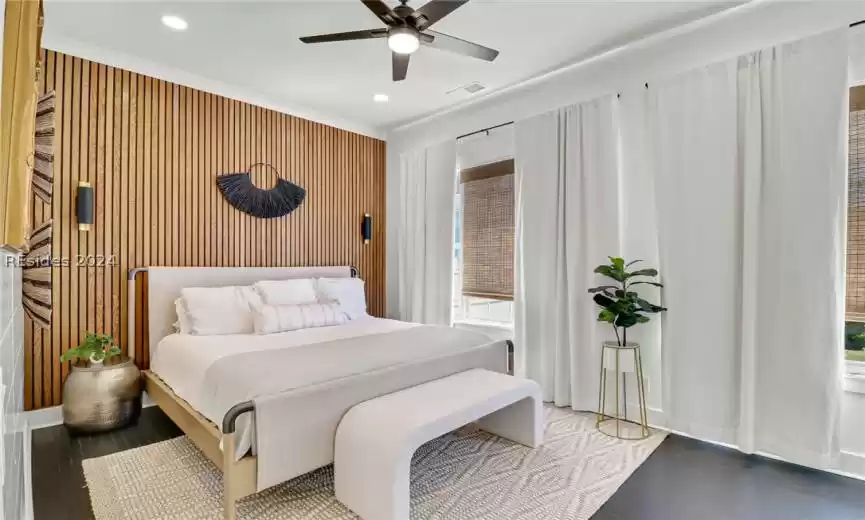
pixel 254 46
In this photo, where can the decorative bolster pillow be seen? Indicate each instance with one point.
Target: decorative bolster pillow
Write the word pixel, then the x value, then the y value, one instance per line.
pixel 270 319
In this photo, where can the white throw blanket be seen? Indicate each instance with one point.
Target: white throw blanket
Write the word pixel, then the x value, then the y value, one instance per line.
pixel 301 393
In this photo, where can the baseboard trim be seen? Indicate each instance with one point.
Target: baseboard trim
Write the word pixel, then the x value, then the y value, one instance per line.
pixel 53 416
pixel 42 418
pixel 852 465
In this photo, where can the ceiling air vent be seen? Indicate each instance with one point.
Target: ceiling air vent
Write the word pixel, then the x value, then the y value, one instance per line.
pixel 471 88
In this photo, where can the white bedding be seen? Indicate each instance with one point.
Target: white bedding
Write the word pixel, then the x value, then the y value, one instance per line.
pixel 182 360
pixel 302 382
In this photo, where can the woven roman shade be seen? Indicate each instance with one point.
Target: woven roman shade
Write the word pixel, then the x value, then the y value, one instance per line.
pixel 856 208
pixel 488 230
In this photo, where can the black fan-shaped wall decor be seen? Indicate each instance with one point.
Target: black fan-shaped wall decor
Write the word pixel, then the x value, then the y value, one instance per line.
pixel 240 192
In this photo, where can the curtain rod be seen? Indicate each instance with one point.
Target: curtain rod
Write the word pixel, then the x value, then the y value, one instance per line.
pixel 485 130
pixel 854 24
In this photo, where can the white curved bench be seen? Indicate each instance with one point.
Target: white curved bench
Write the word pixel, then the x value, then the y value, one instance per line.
pixel 376 439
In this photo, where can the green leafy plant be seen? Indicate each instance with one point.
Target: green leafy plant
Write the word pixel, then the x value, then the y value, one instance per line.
pixel 99 347
pixel 622 307
pixel 854 336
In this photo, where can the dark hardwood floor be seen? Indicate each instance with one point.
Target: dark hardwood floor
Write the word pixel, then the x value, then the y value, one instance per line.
pixel 59 489
pixel 683 480
pixel 692 480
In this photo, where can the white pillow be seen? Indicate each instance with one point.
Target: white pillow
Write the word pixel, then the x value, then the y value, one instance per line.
pixel 287 292
pixel 183 324
pixel 349 292
pixel 220 310
pixel 270 319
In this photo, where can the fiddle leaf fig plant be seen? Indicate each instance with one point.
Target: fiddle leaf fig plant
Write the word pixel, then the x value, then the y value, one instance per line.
pixel 620 306
pixel 96 348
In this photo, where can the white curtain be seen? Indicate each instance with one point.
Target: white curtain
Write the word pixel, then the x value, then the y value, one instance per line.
pixel 749 162
pixel 692 121
pixel 639 236
pixel 426 234
pixel 567 223
pixel 793 137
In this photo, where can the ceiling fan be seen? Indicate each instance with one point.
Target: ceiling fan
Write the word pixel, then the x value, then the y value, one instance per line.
pixel 408 29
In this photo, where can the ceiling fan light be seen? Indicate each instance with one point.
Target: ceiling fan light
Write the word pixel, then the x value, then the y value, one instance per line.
pixel 402 40
pixel 174 22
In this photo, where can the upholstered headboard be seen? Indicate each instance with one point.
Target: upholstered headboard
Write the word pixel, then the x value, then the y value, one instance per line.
pixel 165 283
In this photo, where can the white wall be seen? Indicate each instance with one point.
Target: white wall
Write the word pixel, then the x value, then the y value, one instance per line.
pixel 12 428
pixel 486 147
pixel 853 421
pixel 857 55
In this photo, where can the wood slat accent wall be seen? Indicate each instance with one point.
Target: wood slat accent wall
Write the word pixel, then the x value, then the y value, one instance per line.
pixel 152 151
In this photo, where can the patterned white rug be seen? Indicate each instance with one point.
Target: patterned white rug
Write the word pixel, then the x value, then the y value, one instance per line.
pixel 466 475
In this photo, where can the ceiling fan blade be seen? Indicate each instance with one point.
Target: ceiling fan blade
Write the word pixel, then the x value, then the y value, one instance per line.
pixel 400 66
pixel 381 10
pixel 435 10
pixel 450 43
pixel 345 36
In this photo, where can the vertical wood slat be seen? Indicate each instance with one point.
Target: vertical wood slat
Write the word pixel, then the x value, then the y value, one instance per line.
pixel 152 151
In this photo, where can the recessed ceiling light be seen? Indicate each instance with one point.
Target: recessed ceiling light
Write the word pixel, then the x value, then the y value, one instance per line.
pixel 380 98
pixel 175 22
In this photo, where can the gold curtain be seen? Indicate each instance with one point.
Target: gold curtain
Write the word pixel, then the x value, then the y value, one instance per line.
pixel 22 33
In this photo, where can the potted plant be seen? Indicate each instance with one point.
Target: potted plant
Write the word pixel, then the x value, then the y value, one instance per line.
pixel 622 307
pixel 103 389
pixel 97 348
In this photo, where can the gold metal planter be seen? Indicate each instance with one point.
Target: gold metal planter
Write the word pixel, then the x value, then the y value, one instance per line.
pixel 101 398
pixel 618 425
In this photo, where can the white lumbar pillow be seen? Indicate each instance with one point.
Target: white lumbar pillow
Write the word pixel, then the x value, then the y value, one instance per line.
pixel 349 292
pixel 270 319
pixel 287 292
pixel 216 311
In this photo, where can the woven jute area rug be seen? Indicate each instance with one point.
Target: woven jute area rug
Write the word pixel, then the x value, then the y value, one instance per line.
pixel 465 475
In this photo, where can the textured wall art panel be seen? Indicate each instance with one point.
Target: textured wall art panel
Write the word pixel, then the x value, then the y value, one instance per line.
pixel 152 151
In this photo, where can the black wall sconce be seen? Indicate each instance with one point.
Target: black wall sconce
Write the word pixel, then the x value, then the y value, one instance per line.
pixel 84 206
pixel 366 228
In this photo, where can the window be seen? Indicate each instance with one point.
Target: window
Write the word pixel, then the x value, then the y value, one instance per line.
pixel 484 238
pixel 854 332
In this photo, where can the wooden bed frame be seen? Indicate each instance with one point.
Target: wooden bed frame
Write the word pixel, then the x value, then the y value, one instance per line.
pixel 240 477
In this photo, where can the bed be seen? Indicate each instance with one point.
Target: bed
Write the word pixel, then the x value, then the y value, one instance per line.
pixel 264 408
